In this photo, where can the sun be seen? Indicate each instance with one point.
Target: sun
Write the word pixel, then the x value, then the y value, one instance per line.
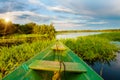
pixel 7 19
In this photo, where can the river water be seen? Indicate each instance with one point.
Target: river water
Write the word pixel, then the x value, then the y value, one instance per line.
pixel 74 35
pixel 110 71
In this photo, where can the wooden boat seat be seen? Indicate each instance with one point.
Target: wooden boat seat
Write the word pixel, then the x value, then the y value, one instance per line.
pixel 55 66
pixel 58 47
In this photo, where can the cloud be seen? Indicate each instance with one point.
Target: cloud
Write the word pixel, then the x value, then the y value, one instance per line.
pixel 5 6
pixel 37 2
pixel 56 8
pixel 100 22
pixel 67 21
pixel 60 9
pixel 82 7
pixel 77 7
pixel 34 1
pixel 64 14
pixel 67 24
pixel 9 5
pixel 92 7
pixel 27 16
pixel 112 8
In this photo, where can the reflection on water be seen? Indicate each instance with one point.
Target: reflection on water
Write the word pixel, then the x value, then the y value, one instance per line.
pixel 74 35
pixel 110 72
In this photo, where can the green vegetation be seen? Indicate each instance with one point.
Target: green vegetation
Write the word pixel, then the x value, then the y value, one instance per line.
pixel 8 28
pixel 13 56
pixel 22 38
pixel 112 36
pixel 92 49
pixel 12 34
pixel 35 38
pixel 32 37
pixel 74 31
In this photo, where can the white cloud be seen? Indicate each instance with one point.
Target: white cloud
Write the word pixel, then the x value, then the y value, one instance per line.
pixel 64 14
pixel 60 9
pixel 76 7
pixel 93 7
pixel 31 16
pixel 108 7
pixel 100 22
pixel 34 1
pixel 66 24
pixel 19 13
pixel 67 21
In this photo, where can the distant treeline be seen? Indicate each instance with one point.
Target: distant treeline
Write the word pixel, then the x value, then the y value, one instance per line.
pixel 70 31
pixel 8 28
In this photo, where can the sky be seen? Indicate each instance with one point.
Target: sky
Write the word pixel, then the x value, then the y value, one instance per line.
pixel 64 14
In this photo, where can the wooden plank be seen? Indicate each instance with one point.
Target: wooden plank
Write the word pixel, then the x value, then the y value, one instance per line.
pixel 58 47
pixel 55 66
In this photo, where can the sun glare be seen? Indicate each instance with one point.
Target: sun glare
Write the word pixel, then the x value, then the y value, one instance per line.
pixel 7 19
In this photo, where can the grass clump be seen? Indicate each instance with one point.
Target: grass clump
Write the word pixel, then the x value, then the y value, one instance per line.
pixel 92 49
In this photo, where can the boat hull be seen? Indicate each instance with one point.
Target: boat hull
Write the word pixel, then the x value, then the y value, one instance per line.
pixel 23 72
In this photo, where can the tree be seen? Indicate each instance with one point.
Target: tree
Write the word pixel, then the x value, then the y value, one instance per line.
pixel 27 28
pixel 51 31
pixel 45 30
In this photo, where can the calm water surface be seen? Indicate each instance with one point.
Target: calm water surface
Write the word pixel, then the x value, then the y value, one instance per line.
pixel 110 72
pixel 74 35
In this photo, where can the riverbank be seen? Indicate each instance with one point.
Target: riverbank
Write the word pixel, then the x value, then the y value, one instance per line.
pixel 77 31
pixel 112 36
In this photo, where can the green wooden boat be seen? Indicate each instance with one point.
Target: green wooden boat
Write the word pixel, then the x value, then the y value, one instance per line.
pixel 56 62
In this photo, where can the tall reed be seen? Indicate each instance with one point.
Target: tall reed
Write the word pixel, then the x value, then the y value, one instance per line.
pixel 92 48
